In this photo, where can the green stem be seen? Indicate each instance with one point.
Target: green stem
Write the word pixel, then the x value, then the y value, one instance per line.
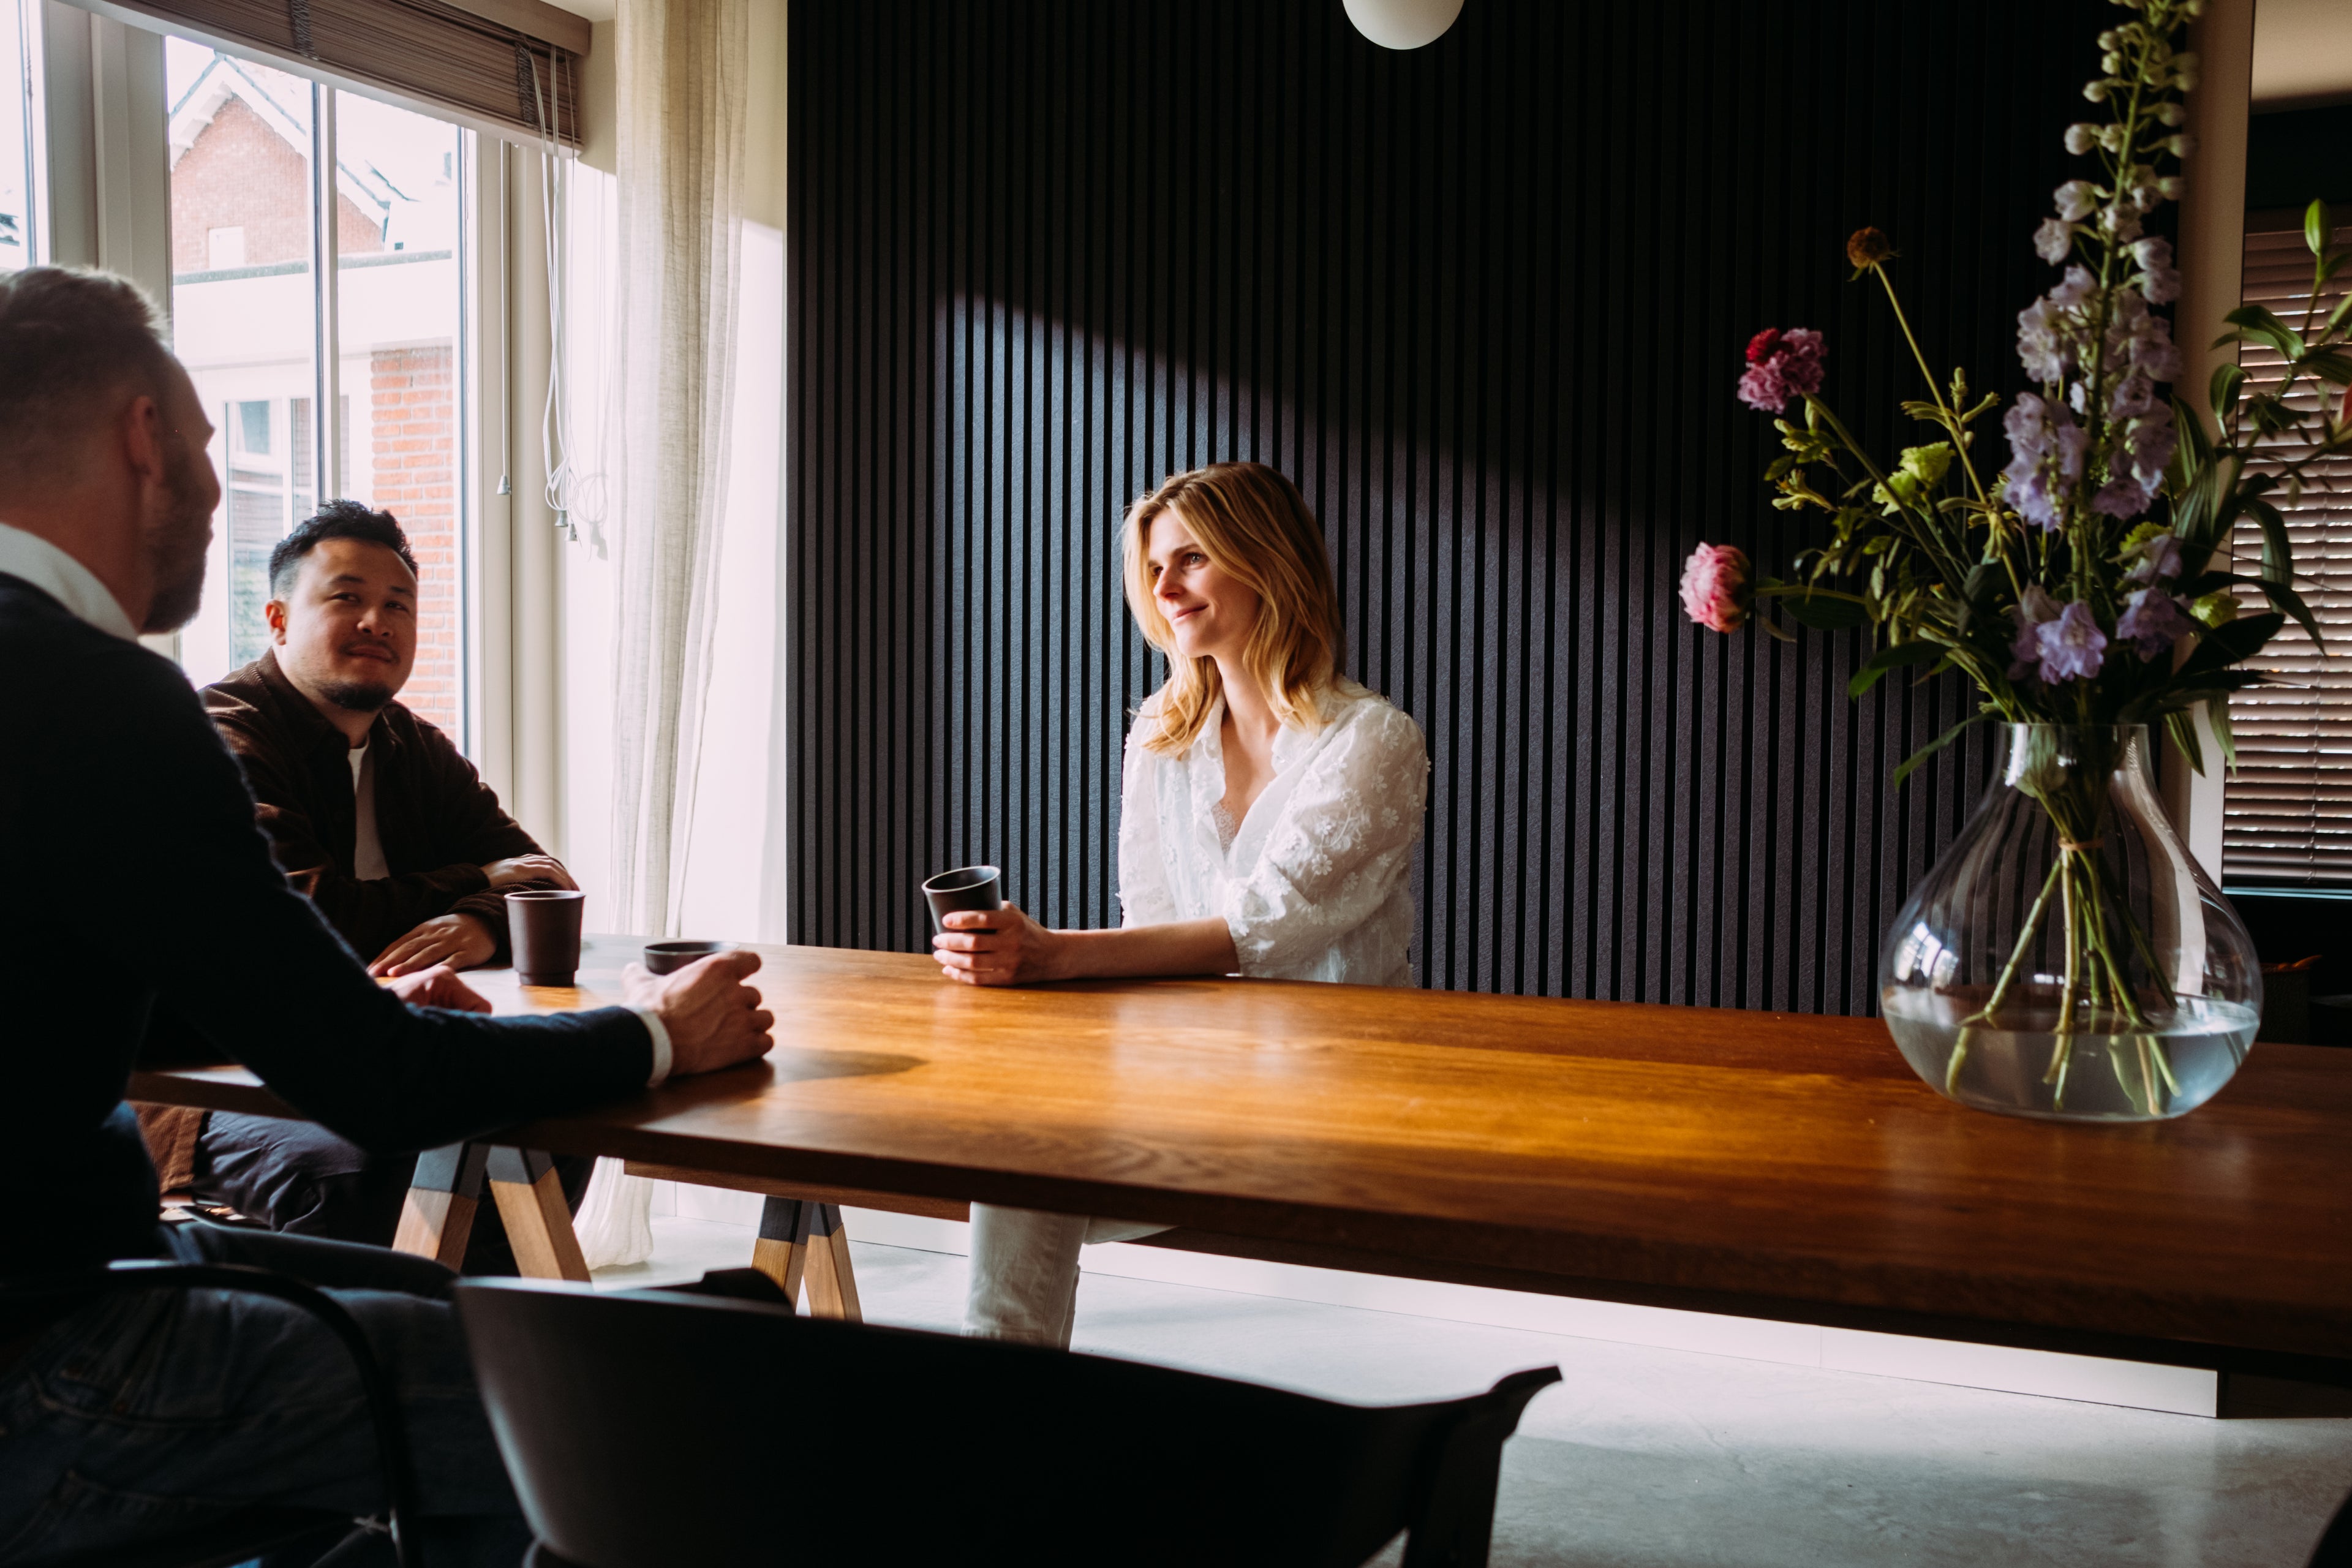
pixel 1951 420
pixel 2017 955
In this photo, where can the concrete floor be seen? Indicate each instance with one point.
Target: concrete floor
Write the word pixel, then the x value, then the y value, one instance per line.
pixel 1653 1459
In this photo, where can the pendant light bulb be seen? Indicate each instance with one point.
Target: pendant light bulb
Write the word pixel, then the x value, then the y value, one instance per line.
pixel 1404 24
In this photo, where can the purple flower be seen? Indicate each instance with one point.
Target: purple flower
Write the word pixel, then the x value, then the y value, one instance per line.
pixel 2163 280
pixel 2159 560
pixel 2148 443
pixel 2153 621
pixel 2122 498
pixel 2072 646
pixel 2032 610
pixel 2076 199
pixel 2042 343
pixel 2078 285
pixel 2044 441
pixel 2141 340
pixel 2054 239
pixel 1781 365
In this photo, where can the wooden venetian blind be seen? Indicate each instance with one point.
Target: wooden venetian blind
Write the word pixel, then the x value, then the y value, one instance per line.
pixel 512 63
pixel 2288 809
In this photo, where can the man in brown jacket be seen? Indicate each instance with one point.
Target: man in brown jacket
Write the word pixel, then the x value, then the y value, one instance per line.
pixel 382 823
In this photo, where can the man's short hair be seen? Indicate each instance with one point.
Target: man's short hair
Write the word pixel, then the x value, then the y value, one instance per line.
pixel 69 337
pixel 336 519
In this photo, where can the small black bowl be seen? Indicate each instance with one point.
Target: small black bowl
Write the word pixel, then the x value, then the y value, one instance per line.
pixel 669 957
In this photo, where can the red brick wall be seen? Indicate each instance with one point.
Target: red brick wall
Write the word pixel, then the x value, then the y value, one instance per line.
pixel 413 398
pixel 240 171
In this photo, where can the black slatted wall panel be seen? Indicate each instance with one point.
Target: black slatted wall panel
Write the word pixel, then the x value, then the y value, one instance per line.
pixel 1485 303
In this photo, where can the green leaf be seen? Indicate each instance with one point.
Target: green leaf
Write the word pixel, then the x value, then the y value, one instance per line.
pixel 2218 647
pixel 1938 744
pixel 2287 599
pixel 2228 380
pixel 2319 229
pixel 2259 321
pixel 1888 658
pixel 2182 727
pixel 2330 364
pixel 1824 613
pixel 2278 549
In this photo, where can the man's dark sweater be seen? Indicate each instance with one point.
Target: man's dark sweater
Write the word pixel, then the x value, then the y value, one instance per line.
pixel 141 909
pixel 439 823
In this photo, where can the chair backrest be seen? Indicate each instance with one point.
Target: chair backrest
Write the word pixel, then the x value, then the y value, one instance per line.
pixel 647 1429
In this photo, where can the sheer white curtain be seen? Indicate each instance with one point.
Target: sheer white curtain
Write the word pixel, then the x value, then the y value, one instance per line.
pixel 679 79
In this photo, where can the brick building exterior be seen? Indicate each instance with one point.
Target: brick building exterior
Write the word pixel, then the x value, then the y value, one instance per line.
pixel 241 173
pixel 239 170
pixel 412 394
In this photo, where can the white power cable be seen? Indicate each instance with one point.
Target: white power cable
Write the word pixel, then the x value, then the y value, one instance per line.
pixel 555 412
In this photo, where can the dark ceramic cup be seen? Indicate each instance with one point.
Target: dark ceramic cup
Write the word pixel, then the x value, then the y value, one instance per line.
pixel 965 888
pixel 669 957
pixel 544 924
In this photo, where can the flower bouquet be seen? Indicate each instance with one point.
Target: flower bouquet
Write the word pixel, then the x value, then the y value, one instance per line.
pixel 2086 589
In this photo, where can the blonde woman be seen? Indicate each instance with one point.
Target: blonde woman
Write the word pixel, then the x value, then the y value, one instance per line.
pixel 1267 824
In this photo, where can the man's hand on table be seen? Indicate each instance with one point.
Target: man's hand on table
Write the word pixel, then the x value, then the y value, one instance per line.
pixel 439 987
pixel 461 942
pixel 516 868
pixel 713 1018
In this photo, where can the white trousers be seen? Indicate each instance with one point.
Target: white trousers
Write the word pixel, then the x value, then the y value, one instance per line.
pixel 1024 1271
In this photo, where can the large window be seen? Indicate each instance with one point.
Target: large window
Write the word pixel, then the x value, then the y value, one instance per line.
pixel 2288 812
pixel 18 103
pixel 271 343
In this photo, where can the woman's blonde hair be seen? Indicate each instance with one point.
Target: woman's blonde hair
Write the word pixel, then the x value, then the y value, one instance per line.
pixel 1254 525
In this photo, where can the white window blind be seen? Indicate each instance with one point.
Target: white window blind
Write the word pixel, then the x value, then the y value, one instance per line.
pixel 2288 810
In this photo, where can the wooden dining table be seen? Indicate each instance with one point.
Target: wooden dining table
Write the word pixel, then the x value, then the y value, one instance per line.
pixel 1766 1164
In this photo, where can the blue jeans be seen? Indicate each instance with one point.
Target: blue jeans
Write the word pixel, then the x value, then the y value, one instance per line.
pixel 158 1412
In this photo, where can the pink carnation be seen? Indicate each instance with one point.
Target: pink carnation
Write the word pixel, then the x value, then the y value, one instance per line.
pixel 1781 365
pixel 1715 588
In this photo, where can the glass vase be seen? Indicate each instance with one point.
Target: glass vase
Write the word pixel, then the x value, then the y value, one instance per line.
pixel 2066 958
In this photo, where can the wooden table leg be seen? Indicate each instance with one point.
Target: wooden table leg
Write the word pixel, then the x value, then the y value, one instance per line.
pixel 782 1250
pixel 804 1240
pixel 529 1195
pixel 831 1281
pixel 437 1217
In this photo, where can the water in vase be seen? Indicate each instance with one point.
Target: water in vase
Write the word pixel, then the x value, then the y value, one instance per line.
pixel 2093 1074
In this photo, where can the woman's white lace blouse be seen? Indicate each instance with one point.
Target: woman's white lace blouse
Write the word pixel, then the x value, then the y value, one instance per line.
pixel 1317 882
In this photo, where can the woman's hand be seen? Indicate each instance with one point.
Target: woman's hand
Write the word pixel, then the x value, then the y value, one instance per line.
pixel 999 947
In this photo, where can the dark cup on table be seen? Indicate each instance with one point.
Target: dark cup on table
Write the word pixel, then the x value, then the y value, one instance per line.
pixel 669 957
pixel 965 888
pixel 543 925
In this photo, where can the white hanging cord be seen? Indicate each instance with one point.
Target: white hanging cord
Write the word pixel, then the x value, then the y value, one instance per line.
pixel 555 412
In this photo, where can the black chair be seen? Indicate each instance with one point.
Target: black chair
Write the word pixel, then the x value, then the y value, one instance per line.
pixel 649 1428
pixel 281 1534
pixel 2335 1548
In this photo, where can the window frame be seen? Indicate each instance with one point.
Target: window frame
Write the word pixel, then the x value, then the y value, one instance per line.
pixel 102 132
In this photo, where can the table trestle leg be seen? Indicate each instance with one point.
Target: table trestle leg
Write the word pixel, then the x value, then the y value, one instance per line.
pixel 782 1250
pixel 831 1281
pixel 436 1219
pixel 529 1195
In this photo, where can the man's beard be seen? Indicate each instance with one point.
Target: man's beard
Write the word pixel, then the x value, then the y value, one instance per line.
pixel 176 544
pixel 358 696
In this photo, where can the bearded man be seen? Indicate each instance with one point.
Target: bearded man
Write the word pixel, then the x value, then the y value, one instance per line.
pixel 376 816
pixel 141 903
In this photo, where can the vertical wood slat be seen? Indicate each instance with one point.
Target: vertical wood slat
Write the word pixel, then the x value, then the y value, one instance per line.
pixel 1485 302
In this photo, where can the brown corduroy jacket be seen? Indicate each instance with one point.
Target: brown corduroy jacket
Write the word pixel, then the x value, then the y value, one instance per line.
pixel 437 820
